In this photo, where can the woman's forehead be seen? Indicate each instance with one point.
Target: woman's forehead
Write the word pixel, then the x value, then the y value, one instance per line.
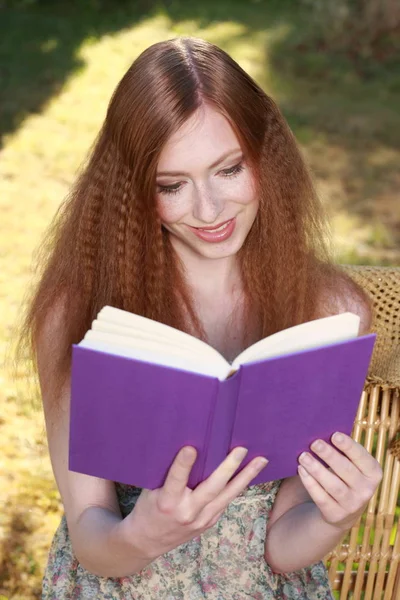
pixel 204 137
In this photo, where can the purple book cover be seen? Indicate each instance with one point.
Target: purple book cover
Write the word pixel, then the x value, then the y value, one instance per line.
pixel 130 418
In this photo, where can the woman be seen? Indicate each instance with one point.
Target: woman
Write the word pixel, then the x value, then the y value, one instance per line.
pixel 195 209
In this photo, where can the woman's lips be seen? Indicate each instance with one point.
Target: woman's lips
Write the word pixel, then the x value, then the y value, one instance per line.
pixel 220 233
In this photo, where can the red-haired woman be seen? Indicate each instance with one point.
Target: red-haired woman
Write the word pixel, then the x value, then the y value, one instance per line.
pixel 195 209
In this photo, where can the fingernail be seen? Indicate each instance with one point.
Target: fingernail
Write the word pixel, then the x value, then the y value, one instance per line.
pixel 318 446
pixel 188 453
pixel 305 458
pixel 261 463
pixel 338 438
pixel 239 453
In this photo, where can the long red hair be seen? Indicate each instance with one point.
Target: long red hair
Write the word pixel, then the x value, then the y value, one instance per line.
pixel 106 244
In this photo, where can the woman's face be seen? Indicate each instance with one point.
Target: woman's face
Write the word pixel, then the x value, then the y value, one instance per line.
pixel 205 191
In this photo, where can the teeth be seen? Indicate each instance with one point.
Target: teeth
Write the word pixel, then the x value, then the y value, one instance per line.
pixel 218 229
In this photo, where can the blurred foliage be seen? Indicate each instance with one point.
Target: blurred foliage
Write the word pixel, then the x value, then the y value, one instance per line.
pixel 360 28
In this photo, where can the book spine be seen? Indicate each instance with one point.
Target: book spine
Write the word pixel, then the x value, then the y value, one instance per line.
pixel 221 424
pixel 196 474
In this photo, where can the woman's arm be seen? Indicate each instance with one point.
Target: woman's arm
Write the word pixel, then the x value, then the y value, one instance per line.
pixel 337 496
pixel 92 512
pixel 313 512
pixel 297 536
pixel 91 507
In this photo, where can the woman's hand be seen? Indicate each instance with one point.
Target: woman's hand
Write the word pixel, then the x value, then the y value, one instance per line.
pixel 342 492
pixel 173 514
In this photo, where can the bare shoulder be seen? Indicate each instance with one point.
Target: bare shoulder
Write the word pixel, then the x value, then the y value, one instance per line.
pixel 342 294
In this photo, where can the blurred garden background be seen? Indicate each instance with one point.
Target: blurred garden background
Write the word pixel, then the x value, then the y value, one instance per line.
pixel 332 65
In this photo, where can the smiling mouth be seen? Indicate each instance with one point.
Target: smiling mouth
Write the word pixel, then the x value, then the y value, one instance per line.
pixel 218 233
pixel 220 227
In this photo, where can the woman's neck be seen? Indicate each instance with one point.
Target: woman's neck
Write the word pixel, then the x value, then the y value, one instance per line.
pixel 211 278
pixel 217 295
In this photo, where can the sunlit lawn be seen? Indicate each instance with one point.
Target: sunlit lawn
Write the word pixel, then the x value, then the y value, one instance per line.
pixel 61 64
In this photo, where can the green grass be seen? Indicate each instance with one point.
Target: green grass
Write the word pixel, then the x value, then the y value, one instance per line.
pixel 60 63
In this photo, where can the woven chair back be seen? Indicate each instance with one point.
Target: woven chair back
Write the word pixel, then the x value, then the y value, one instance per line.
pixel 365 565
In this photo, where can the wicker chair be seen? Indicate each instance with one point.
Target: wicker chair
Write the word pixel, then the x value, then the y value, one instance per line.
pixel 365 566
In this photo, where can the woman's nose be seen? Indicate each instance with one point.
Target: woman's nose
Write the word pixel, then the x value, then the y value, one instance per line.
pixel 207 206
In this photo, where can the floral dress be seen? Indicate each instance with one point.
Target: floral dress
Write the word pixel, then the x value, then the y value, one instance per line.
pixel 225 563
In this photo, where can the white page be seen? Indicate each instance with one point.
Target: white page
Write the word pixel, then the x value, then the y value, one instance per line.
pixel 312 334
pixel 140 334
pixel 150 352
pixel 110 314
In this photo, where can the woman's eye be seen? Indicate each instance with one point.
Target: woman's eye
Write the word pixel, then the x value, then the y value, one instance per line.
pixel 169 189
pixel 235 170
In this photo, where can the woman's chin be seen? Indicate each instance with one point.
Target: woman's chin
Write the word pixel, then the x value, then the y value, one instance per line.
pixel 217 250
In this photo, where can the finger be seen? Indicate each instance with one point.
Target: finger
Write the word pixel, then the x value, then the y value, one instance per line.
pixel 329 481
pixel 208 489
pixel 214 520
pixel 230 491
pixel 340 464
pixel 326 504
pixel 178 474
pixel 358 455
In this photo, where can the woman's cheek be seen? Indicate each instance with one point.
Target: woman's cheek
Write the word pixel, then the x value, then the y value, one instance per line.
pixel 171 210
pixel 241 189
pixel 246 188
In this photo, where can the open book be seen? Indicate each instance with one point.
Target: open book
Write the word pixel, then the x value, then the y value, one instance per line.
pixel 141 390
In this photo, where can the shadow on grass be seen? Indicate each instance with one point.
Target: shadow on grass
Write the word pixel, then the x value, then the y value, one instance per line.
pixel 38 45
pixel 13 549
pixel 25 544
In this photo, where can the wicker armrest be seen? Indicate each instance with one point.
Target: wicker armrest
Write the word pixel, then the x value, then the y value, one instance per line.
pixel 366 564
pixel 382 284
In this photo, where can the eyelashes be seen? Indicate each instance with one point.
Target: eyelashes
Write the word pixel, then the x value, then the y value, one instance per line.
pixel 169 189
pixel 232 171
pixel 176 187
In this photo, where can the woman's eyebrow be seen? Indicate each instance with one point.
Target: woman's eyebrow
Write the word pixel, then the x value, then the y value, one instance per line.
pixel 226 155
